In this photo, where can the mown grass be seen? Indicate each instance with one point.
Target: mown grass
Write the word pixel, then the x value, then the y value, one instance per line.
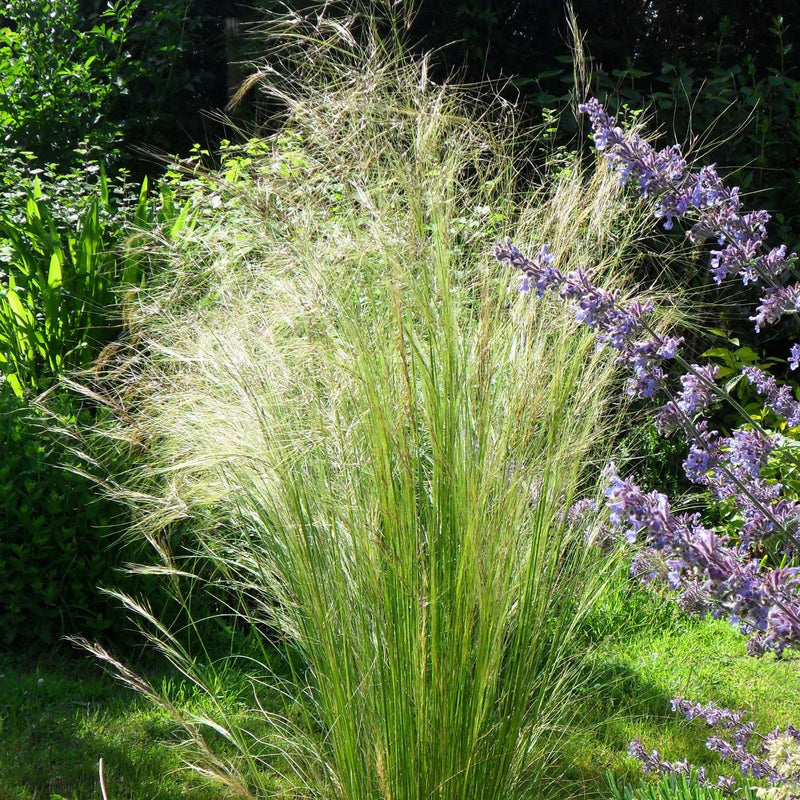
pixel 647 652
pixel 59 715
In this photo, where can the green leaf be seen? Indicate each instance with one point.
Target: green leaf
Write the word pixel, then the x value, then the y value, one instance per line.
pixel 14 382
pixel 721 352
pixel 746 355
pixel 54 276
pixel 23 315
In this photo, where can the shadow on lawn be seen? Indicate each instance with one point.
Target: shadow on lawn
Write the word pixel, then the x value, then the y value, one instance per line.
pixel 620 705
pixel 60 715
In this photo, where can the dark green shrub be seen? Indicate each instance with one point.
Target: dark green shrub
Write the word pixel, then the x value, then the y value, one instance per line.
pixel 58 541
pixel 80 76
pixel 59 78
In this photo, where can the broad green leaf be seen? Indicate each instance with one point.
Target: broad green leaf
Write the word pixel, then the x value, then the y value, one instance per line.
pixel 15 384
pixel 720 352
pixel 55 273
pixel 184 220
pixel 746 354
pixel 23 315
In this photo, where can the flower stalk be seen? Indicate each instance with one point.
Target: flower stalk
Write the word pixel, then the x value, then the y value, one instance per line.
pixel 712 576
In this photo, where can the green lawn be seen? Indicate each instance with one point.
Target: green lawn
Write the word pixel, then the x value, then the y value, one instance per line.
pixel 59 715
pixel 650 652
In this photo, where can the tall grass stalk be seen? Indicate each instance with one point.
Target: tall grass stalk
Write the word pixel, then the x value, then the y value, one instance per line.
pixel 374 441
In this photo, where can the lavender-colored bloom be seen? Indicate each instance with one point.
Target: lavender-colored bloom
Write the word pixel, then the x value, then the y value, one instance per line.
pixel 736 751
pixel 774 263
pixel 791 731
pixel 668 346
pixel 581 509
pixel 717 208
pixel 645 384
pixel 794 356
pixel 777 301
pixel 653 763
pixel 694 600
pixel 711 713
pixel 697 463
pixel 599 310
pixel 744 734
pixel 647 565
pixel 716 744
pixel 750 763
pixel 710 574
pixel 726 783
pixel 748 451
pixel 698 389
pixel 650 512
pixel 778 398
pixel 654 171
pixel 536 272
pixel 697 394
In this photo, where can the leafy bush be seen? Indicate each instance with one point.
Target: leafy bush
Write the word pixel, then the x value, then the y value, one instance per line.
pixel 57 542
pixel 57 289
pixel 87 81
pixel 176 72
pixel 57 80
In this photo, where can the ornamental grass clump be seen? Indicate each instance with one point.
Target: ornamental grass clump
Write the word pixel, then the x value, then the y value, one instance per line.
pixel 366 439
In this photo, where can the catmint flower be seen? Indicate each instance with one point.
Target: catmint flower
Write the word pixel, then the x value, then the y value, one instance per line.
pixel 599 309
pixel 652 762
pixel 695 397
pixel 710 574
pixel 744 734
pixel 777 301
pixel 735 752
pixel 630 506
pixel 635 159
pixel 774 263
pixel 726 783
pixel 581 509
pixel 717 209
pixel 698 462
pixel 778 398
pixel 647 565
pixel 694 600
pixel 794 356
pixel 717 744
pixel 748 450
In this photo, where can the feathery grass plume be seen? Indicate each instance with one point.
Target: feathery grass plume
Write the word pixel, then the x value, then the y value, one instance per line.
pixel 373 443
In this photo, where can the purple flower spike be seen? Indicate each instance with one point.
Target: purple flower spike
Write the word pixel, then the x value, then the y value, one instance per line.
pixel 777 301
pixel 711 574
pixel 794 356
pixel 778 398
pixel 716 209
